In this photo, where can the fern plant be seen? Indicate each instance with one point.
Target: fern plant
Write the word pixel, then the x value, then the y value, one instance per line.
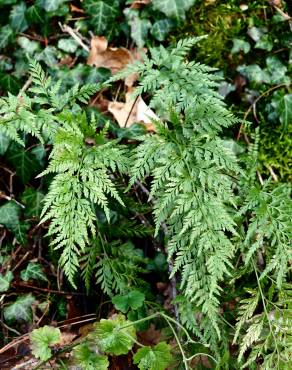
pixel 195 183
pixel 81 160
pixel 193 171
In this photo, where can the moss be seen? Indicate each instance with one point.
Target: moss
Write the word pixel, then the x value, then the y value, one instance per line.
pixel 276 152
pixel 221 22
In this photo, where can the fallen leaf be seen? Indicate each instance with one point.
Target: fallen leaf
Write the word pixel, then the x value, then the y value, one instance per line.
pixel 132 111
pixel 115 59
pixel 112 58
pixel 138 4
pixel 67 338
pixel 100 102
pixel 75 9
pixel 150 336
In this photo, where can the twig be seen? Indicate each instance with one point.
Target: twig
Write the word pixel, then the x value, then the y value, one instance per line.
pixel 47 290
pixel 21 261
pixel 254 103
pixel 25 87
pixel 260 178
pixel 131 110
pixel 274 176
pixel 9 328
pixel 73 34
pixel 77 322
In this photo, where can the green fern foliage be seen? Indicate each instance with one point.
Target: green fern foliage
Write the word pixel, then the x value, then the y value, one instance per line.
pixel 193 172
pixel 82 182
pixel 269 231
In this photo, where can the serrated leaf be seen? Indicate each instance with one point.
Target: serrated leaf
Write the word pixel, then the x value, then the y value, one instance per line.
pixel 41 339
pixel 161 29
pixel 20 309
pixel 173 8
pixel 17 17
pixel 4 143
pixel 23 161
pixel 33 201
pixel 5 281
pixel 33 271
pixel 133 300
pixel 6 35
pixel 88 359
pixel 112 337
pixel 102 13
pixel 153 358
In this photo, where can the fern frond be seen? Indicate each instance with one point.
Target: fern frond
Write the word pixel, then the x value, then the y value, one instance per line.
pixel 193 173
pixel 82 182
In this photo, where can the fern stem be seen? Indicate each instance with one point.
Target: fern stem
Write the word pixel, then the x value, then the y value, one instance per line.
pixel 266 312
pixel 185 361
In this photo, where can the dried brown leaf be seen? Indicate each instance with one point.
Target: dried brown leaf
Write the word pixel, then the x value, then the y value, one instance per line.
pixel 138 4
pixel 115 59
pixel 132 111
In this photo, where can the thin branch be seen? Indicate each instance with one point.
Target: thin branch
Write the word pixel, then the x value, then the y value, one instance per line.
pixel 72 33
pixel 252 106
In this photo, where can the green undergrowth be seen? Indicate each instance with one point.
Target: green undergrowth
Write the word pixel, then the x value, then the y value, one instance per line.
pixel 251 44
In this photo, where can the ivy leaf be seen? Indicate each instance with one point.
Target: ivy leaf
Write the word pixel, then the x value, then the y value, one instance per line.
pixel 9 215
pixel 153 358
pixel 29 46
pixel 33 200
pixel 240 45
pixel 173 8
pixel 48 56
pixel 68 45
pixel 5 281
pixel 102 13
pixel 161 29
pixel 277 70
pixel 33 271
pixel 264 43
pixel 23 161
pixel 50 5
pixel 283 106
pixel 4 142
pixel 9 83
pixel 41 339
pixel 112 337
pixel 20 309
pixel 254 73
pixel 89 360
pixel 6 34
pixel 139 27
pixel 34 14
pixel 132 300
pixel 17 17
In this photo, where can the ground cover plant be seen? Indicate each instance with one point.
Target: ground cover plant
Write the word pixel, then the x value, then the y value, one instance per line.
pixel 145 221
